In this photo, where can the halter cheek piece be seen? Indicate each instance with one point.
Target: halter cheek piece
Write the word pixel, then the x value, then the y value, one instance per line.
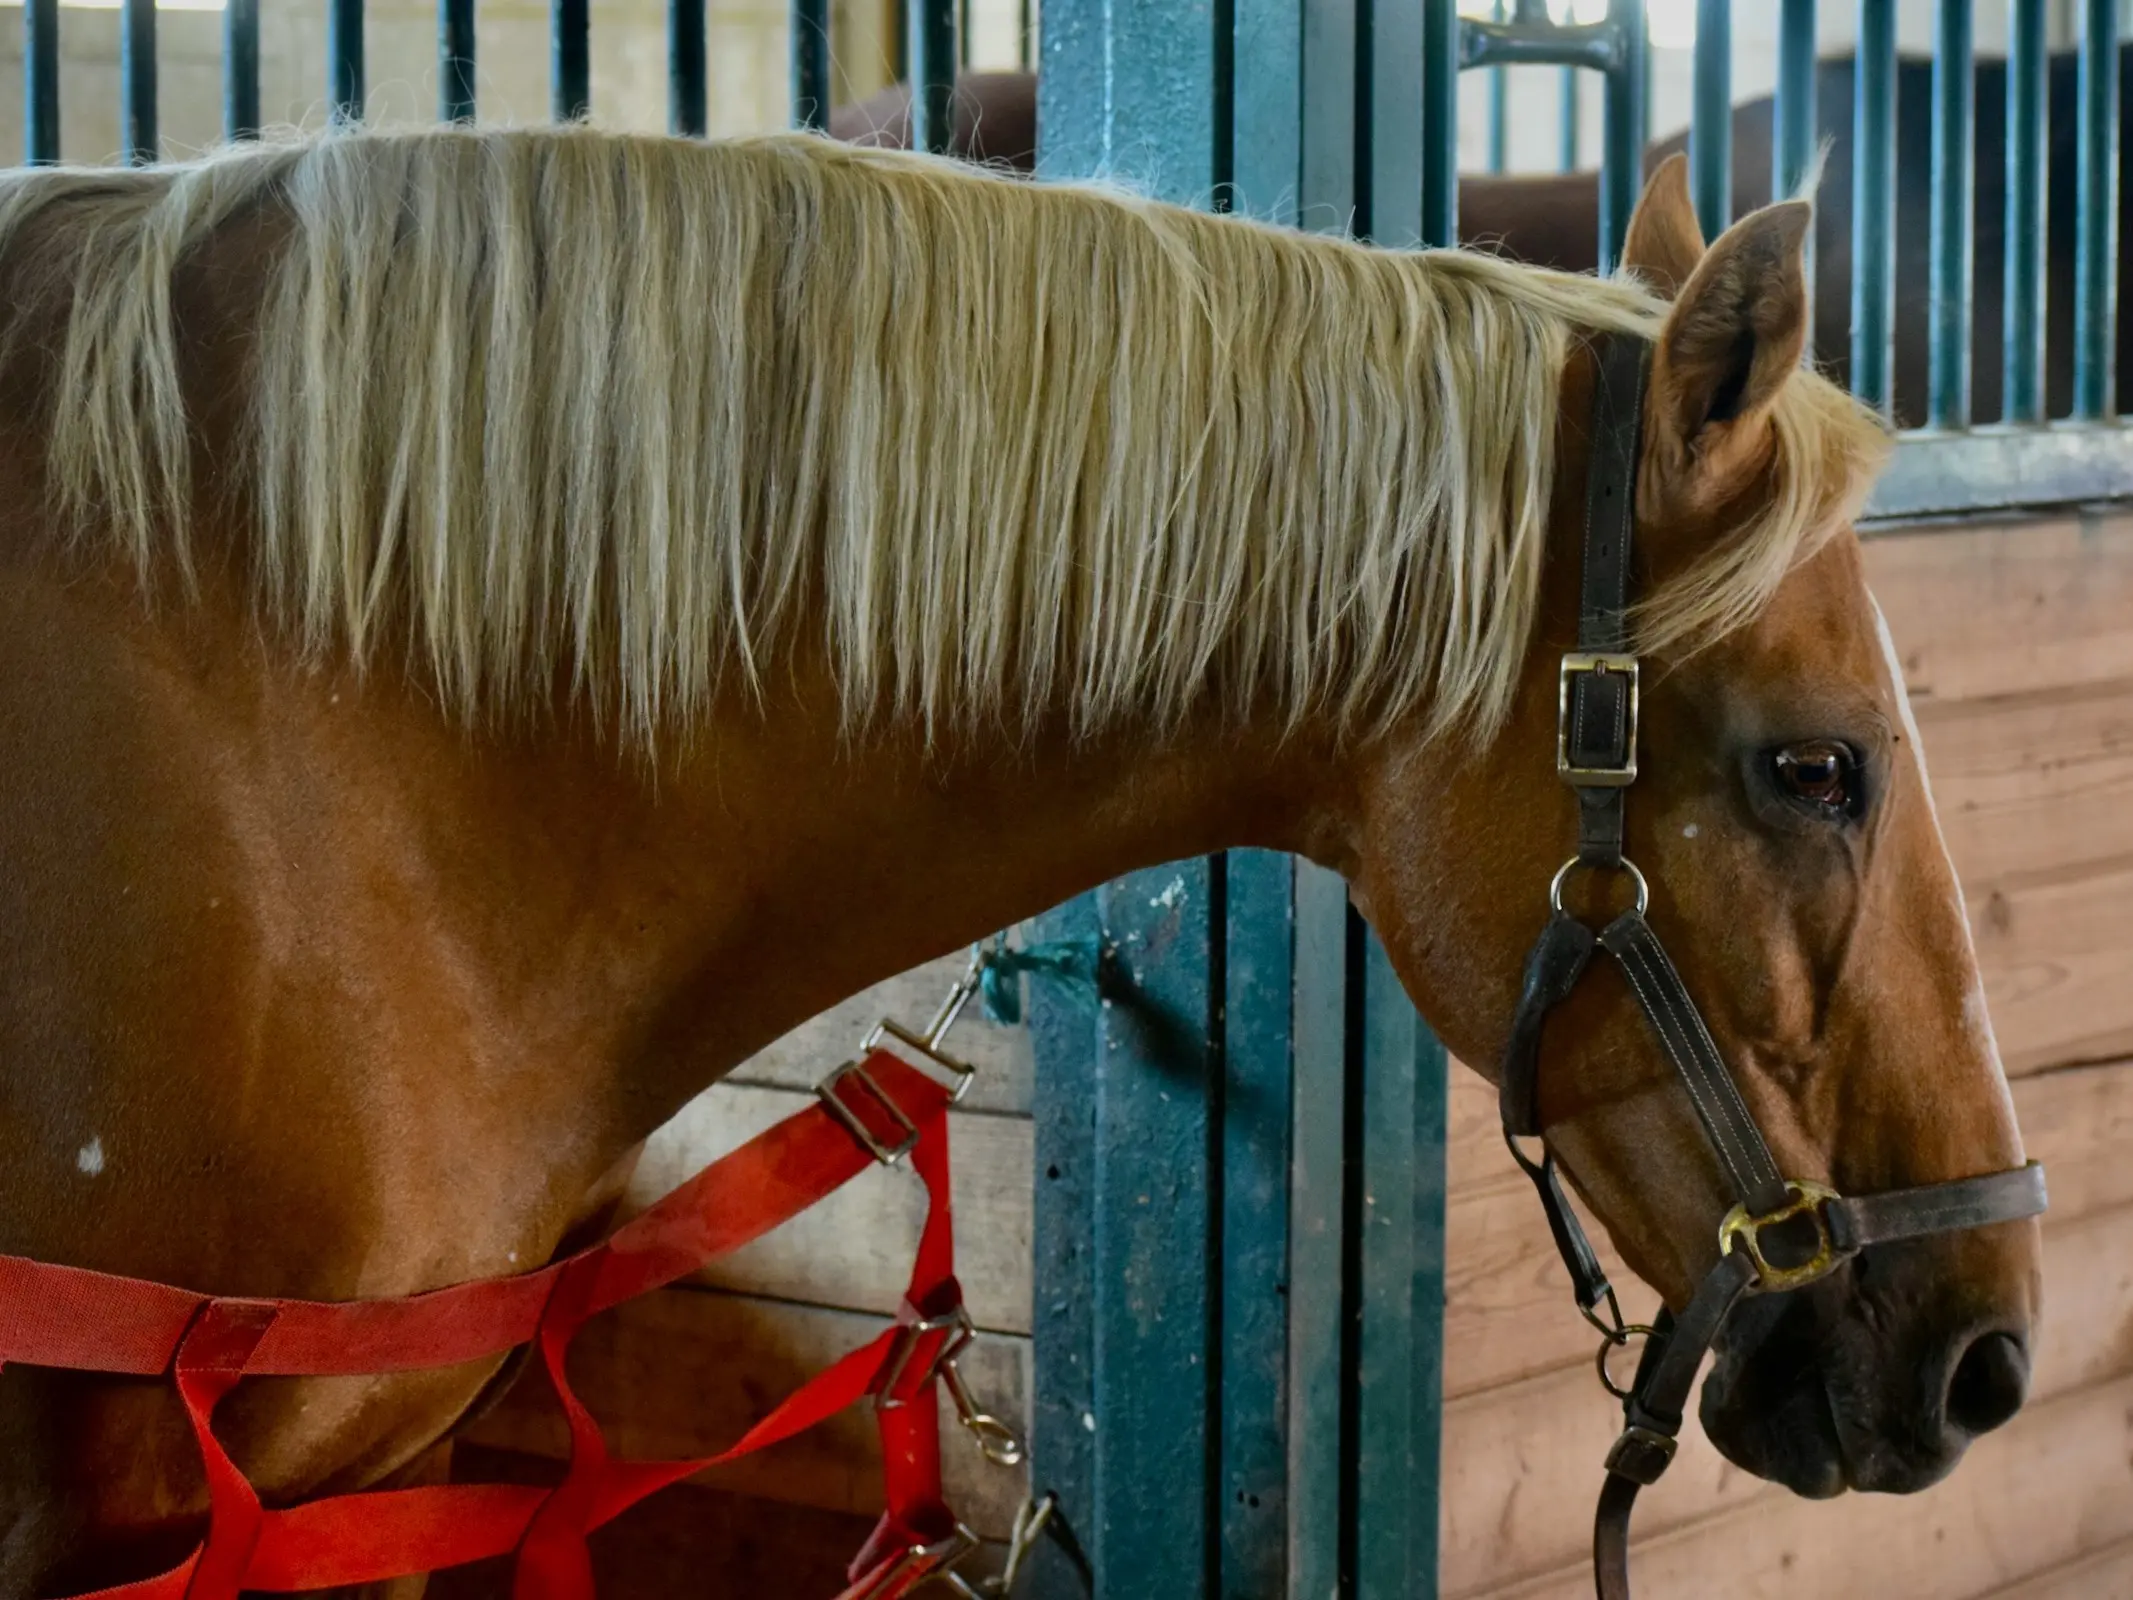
pixel 1596 754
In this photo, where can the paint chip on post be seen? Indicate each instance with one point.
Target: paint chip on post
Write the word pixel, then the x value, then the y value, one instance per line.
pixel 1171 898
pixel 89 1160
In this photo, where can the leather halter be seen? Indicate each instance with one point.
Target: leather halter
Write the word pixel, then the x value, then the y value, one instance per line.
pixel 1596 754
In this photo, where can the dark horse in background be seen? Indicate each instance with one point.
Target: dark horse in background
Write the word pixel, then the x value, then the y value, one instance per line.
pixel 1554 219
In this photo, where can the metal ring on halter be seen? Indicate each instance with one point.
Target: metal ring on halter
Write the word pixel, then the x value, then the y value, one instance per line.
pixel 1608 1346
pixel 1562 876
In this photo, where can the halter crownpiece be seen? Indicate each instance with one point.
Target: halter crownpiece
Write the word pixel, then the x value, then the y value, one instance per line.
pixel 1596 754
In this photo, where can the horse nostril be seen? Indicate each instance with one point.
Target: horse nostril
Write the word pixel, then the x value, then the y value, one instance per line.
pixel 1988 1384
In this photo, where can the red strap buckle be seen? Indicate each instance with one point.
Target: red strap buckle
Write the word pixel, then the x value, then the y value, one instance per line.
pixel 887 1150
pixel 904 1570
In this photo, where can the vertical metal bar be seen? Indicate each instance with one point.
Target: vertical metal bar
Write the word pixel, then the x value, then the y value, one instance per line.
pixel 344 60
pixel 1389 41
pixel 810 63
pixel 2024 286
pixel 2096 178
pixel 930 49
pixel 455 60
pixel 1155 1198
pixel 1792 144
pixel 240 69
pixel 1874 206
pixel 1711 117
pixel 1063 1430
pixel 1948 294
pixel 1333 92
pixel 1400 1352
pixel 1622 156
pixel 40 82
pixel 1571 135
pixel 570 60
pixel 1266 109
pixel 1499 108
pixel 1316 1124
pixel 1440 122
pixel 137 81
pixel 1252 1371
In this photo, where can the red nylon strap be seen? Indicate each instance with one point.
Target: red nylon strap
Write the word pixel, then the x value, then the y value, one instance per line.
pixel 71 1318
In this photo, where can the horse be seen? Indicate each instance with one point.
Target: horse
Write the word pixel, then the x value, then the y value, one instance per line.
pixel 499 625
pixel 1553 219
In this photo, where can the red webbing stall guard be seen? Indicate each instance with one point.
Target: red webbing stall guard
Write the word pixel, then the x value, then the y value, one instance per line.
pixel 879 1108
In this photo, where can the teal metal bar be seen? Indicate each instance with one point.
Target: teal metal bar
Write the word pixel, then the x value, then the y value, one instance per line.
pixel 1711 117
pixel 2023 317
pixel 1391 38
pixel 930 49
pixel 1570 135
pixel 1155 1229
pixel 345 88
pixel 1499 108
pixel 570 60
pixel 1874 206
pixel 40 82
pixel 2096 179
pixel 1440 122
pixel 1266 109
pixel 240 69
pixel 1063 1434
pixel 455 60
pixel 810 62
pixel 1792 140
pixel 1333 95
pixel 1252 1327
pixel 137 81
pixel 1622 155
pixel 1948 294
pixel 1399 1100
pixel 1317 1307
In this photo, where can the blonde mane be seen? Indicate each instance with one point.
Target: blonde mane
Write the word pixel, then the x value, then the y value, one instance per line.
pixel 558 405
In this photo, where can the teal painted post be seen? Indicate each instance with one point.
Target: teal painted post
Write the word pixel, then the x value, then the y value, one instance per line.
pixel 1397 1160
pixel 1266 110
pixel 1388 207
pixel 1440 123
pixel 1252 1304
pixel 1711 117
pixel 1624 137
pixel 1155 1200
pixel 1318 1306
pixel 1062 1028
pixel 1330 112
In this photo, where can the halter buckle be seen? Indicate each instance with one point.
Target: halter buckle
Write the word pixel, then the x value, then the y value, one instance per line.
pixel 1595 664
pixel 1807 1200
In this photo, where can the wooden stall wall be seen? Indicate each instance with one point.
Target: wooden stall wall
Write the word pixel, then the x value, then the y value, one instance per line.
pixel 2017 641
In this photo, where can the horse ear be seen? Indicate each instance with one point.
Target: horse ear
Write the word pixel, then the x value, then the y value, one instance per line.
pixel 1664 242
pixel 1738 326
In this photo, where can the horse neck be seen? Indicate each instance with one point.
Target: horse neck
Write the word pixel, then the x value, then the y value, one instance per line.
pixel 822 863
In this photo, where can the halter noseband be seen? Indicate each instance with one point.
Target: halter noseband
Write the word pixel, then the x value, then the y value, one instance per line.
pixel 1596 754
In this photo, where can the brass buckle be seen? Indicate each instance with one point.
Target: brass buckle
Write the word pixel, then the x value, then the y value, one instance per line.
pixel 830 1091
pixel 1807 1200
pixel 1577 664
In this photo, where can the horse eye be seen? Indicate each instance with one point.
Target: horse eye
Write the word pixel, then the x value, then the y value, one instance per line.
pixel 1823 774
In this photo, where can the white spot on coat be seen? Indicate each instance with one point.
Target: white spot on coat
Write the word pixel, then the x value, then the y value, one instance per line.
pixel 89 1160
pixel 1690 831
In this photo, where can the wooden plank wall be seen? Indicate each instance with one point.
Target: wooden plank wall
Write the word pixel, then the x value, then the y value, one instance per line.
pixel 2018 644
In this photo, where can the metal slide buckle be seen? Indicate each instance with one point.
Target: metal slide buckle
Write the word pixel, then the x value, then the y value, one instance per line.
pixel 1807 1201
pixel 1577 664
pixel 830 1091
pixel 995 1440
pixel 921 1561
